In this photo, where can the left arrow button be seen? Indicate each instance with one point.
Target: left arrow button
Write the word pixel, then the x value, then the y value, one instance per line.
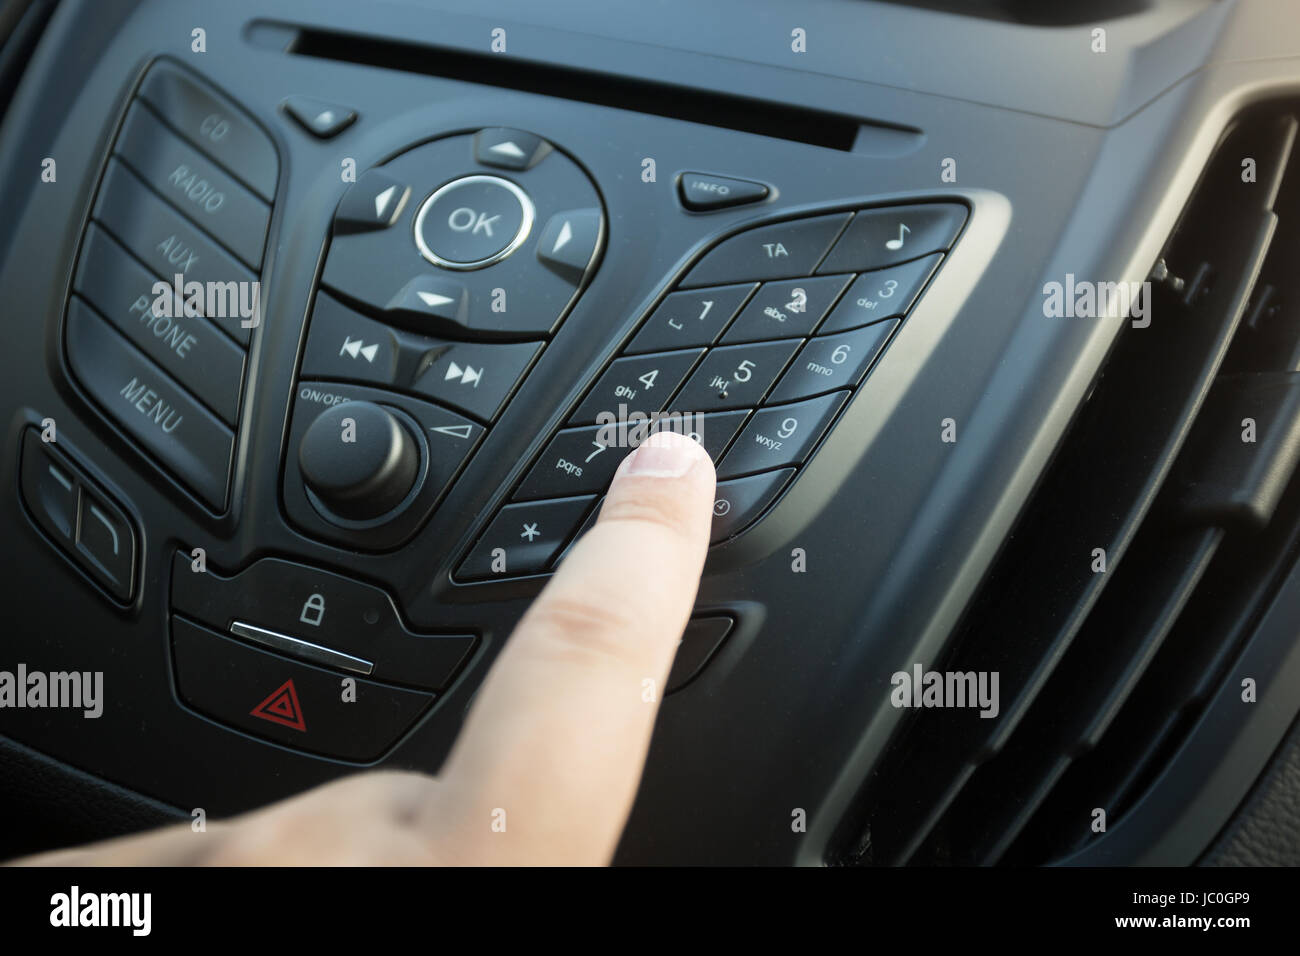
pixel 375 201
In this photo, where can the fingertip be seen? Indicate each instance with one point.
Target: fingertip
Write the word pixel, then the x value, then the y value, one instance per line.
pixel 668 481
pixel 664 454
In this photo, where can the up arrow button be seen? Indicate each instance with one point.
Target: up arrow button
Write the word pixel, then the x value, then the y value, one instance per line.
pixel 508 148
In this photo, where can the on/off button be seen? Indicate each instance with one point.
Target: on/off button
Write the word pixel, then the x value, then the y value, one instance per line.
pixel 473 222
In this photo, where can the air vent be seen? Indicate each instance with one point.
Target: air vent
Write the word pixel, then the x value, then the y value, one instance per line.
pixel 1102 672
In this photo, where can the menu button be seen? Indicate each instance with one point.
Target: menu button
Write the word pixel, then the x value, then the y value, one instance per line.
pixel 157 412
pixel 147 402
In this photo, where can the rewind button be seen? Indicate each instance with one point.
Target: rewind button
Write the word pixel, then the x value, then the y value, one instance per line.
pixel 345 345
pixel 354 348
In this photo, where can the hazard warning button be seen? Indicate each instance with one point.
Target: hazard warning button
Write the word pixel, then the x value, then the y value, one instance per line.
pixel 282 707
pixel 289 702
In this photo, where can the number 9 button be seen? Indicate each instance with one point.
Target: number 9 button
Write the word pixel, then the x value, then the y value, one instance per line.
pixel 780 435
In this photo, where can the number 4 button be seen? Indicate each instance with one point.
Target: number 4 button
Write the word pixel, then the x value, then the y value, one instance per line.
pixel 643 383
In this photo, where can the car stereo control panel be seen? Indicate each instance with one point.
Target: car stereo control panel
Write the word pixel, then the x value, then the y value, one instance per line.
pixel 447 272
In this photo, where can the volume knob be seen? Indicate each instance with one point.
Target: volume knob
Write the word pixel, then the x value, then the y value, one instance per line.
pixel 358 460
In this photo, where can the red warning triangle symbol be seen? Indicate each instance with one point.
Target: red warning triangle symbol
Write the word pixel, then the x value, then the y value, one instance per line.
pixel 282 707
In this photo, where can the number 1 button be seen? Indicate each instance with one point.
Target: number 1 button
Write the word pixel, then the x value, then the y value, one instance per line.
pixel 688 319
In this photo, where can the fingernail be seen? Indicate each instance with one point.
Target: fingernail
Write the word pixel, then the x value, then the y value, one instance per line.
pixel 663 455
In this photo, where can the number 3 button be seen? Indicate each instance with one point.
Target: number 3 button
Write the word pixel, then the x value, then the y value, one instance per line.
pixel 784 435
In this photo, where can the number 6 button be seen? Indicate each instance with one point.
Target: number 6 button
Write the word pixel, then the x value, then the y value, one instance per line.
pixel 832 361
pixel 780 436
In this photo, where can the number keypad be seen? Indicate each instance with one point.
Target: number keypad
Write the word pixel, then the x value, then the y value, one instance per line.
pixel 642 382
pixel 578 461
pixel 833 361
pixel 784 309
pixel 793 318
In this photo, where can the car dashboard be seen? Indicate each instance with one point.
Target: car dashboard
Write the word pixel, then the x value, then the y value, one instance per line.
pixel 325 324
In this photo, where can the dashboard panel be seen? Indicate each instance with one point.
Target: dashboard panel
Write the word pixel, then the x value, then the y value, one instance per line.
pixel 327 325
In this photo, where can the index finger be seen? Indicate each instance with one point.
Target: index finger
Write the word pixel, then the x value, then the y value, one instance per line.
pixel 548 763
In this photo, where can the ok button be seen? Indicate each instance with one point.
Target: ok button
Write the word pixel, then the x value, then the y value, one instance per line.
pixel 473 222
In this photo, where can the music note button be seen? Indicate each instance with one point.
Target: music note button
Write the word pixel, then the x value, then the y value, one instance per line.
pixel 883 237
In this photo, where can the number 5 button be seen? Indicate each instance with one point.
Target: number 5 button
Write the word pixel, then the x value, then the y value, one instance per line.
pixel 832 361
pixel 784 435
pixel 737 376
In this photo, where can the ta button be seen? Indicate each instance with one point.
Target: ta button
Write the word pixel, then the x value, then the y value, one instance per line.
pixel 473 222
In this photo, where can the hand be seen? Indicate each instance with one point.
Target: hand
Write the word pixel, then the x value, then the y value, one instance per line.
pixel 555 742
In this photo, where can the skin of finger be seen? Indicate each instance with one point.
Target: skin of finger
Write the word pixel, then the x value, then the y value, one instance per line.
pixel 366 819
pixel 554 746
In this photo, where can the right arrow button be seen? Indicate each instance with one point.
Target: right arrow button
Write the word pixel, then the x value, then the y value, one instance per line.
pixel 569 243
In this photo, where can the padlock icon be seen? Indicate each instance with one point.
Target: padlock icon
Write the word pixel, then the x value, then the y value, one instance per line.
pixel 313 610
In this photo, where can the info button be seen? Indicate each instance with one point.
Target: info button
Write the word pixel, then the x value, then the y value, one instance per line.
pixel 473 222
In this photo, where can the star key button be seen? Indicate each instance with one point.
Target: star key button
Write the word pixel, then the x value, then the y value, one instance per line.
pixel 523 538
